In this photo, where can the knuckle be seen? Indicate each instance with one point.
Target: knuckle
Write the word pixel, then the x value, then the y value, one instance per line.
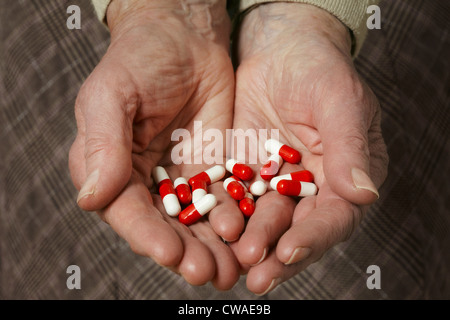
pixel 95 144
pixel 338 223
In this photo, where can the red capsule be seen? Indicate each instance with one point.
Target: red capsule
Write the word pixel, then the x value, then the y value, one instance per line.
pixel 296 188
pixel 199 188
pixel 288 153
pixel 271 167
pixel 167 191
pixel 198 209
pixel 302 175
pixel 183 190
pixel 210 175
pixel 166 188
pixel 240 170
pixel 247 205
pixel 235 188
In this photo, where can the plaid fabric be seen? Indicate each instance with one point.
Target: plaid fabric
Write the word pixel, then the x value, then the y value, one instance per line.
pixel 42 231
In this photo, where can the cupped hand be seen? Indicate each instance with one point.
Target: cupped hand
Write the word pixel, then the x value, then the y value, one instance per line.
pixel 295 74
pixel 167 66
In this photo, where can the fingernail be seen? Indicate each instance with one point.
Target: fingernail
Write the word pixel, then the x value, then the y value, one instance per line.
pixel 262 257
pixel 299 253
pixel 272 285
pixel 89 185
pixel 362 181
pixel 229 241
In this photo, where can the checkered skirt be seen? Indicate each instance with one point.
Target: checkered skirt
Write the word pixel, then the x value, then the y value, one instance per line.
pixel 42 231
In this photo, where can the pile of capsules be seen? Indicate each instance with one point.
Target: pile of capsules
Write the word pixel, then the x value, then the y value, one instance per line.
pixel 193 194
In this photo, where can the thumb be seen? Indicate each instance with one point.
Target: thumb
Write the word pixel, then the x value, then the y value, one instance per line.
pixel 346 155
pixel 105 130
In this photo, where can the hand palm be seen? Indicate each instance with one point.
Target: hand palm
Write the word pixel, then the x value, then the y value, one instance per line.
pixel 294 90
pixel 148 84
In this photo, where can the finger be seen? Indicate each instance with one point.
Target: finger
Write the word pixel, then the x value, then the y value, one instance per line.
pixel 206 257
pixel 305 206
pixel 197 265
pixel 134 218
pixel 243 267
pixel 266 276
pixel 346 156
pixel 226 218
pixel 77 166
pixel 271 218
pixel 105 127
pixel 226 264
pixel 332 220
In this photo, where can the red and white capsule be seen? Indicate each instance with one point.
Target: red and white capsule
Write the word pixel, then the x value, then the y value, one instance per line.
pixel 302 175
pixel 247 205
pixel 238 169
pixel 235 188
pixel 166 191
pixel 183 190
pixel 198 209
pixel 271 167
pixel 258 188
pixel 288 153
pixel 296 188
pixel 210 175
pixel 199 189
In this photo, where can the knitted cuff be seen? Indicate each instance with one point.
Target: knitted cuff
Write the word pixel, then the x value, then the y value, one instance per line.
pixel 100 7
pixel 351 13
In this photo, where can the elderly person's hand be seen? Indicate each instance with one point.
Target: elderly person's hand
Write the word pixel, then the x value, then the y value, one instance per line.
pixel 296 74
pixel 167 66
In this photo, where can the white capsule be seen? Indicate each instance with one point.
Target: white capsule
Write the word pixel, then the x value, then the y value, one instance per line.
pixel 230 164
pixel 235 188
pixel 199 189
pixel 210 175
pixel 197 210
pixel 296 188
pixel 274 181
pixel 258 188
pixel 273 146
pixel 197 194
pixel 308 189
pixel 159 174
pixel 239 169
pixel 178 181
pixel 216 173
pixel 286 152
pixel 207 202
pixel 167 191
pixel 228 180
pixel 271 167
pixel 172 205
pixel 183 190
pixel 302 175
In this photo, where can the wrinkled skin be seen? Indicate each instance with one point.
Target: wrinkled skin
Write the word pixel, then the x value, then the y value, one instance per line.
pixel 296 74
pixel 167 66
pixel 163 70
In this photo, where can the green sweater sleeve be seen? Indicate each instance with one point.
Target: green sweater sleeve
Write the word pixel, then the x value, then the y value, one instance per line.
pixel 351 13
pixel 100 7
